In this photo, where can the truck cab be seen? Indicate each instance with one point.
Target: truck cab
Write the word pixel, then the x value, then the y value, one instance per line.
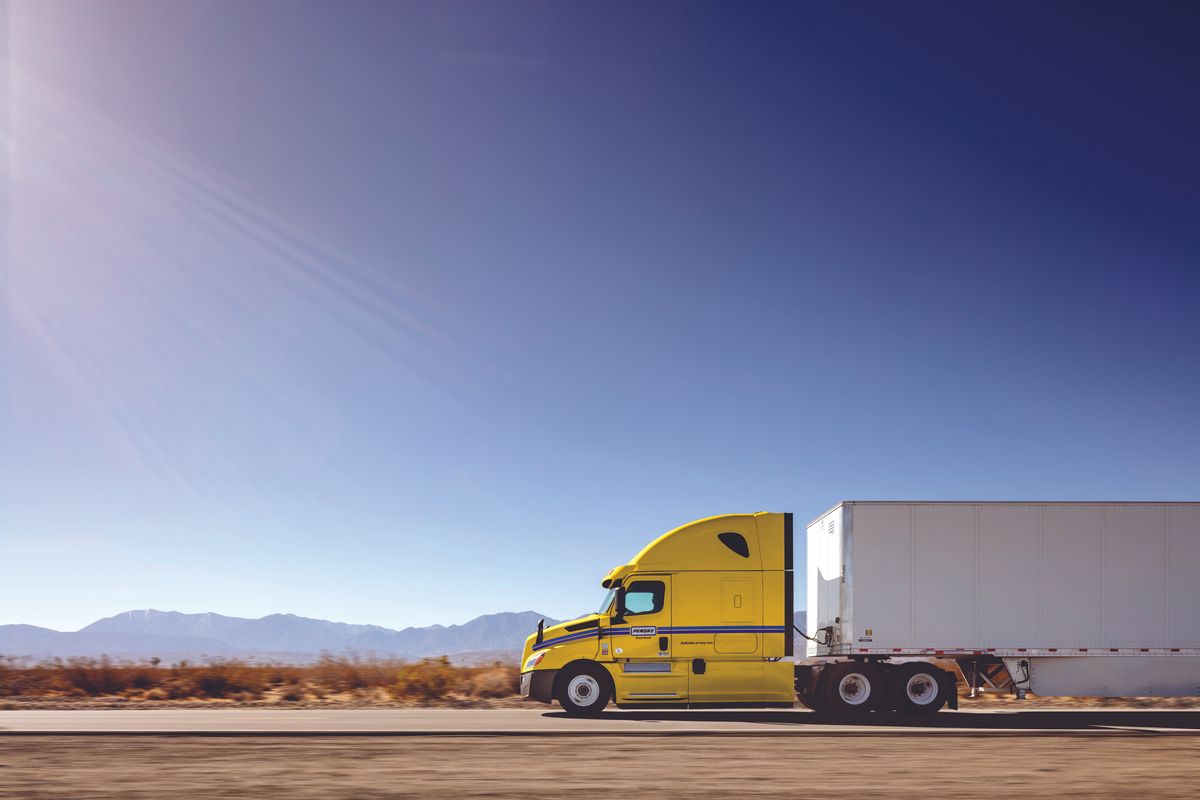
pixel 700 617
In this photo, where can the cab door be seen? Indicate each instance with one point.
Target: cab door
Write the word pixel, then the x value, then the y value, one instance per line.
pixel 641 645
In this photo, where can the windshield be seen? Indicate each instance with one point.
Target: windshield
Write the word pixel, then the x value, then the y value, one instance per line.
pixel 608 599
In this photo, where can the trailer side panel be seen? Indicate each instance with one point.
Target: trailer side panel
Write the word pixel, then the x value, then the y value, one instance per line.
pixel 1057 578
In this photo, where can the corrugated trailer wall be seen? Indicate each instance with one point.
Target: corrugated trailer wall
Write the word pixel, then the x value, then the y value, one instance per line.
pixel 978 576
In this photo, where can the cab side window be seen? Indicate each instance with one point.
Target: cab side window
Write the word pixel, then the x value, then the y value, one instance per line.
pixel 644 597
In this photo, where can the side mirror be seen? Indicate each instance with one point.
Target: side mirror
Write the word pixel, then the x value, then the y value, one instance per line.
pixel 541 634
pixel 619 617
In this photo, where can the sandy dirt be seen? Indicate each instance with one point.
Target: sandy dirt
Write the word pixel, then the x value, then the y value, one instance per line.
pixel 332 702
pixel 1135 766
pixel 988 702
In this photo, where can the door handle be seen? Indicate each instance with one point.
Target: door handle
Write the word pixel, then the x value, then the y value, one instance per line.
pixel 662 643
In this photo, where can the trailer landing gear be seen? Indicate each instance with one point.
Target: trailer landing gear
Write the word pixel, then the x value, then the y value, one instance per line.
pixel 1019 669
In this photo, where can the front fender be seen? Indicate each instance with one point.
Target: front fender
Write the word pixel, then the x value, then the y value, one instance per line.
pixel 539 685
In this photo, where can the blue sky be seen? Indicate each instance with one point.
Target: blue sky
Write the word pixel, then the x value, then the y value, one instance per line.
pixel 403 313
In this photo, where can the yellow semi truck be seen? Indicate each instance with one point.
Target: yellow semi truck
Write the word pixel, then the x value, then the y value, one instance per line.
pixel 701 617
pixel 1055 598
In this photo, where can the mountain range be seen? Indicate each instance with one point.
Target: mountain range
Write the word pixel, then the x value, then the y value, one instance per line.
pixel 173 636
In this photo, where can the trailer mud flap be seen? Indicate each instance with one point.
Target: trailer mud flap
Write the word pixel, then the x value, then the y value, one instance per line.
pixel 950 684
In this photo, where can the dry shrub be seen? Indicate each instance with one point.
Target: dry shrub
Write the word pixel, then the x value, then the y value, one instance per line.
pixel 279 674
pixel 227 678
pixel 143 679
pixel 352 673
pixel 16 681
pixel 497 681
pixel 94 677
pixel 429 680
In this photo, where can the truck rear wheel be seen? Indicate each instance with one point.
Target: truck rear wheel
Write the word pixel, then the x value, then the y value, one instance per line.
pixel 583 690
pixel 851 688
pixel 918 688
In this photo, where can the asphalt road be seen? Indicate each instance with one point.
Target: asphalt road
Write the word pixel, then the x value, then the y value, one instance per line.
pixel 545 721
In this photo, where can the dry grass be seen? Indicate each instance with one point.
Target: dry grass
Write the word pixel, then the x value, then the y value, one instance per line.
pixel 331 678
pixel 340 681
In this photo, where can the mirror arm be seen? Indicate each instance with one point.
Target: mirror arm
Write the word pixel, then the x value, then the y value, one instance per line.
pixel 619 617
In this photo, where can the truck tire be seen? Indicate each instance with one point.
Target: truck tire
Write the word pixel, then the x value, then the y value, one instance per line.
pixel 851 688
pixel 583 690
pixel 810 701
pixel 817 702
pixel 918 688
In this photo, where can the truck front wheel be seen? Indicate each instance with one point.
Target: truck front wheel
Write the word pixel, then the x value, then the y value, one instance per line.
pixel 918 688
pixel 583 690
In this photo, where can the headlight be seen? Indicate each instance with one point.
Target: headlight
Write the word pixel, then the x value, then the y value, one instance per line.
pixel 534 660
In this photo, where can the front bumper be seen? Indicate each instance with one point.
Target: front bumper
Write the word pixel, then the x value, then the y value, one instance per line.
pixel 538 685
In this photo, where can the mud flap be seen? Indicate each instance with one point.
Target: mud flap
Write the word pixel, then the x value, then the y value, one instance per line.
pixel 950 685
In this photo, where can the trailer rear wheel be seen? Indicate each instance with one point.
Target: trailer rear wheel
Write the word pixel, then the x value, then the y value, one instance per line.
pixel 918 688
pixel 851 688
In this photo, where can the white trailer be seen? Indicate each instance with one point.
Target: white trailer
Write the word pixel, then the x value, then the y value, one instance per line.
pixel 1094 599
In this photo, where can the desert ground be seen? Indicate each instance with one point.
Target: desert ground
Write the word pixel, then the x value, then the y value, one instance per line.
pixel 522 752
pixel 353 730
pixel 1116 766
